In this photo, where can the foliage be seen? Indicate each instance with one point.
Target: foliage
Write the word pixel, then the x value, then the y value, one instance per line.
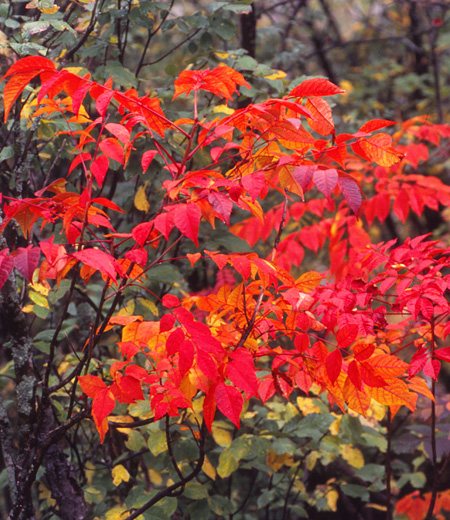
pixel 264 328
pixel 64 317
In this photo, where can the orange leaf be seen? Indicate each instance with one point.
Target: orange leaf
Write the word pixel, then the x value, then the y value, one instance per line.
pixel 394 393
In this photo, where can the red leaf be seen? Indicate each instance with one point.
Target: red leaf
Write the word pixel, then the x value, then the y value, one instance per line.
pixel 167 322
pixel 23 71
pixel 209 408
pixel 326 180
pixel 112 149
pixel 102 406
pixel 303 175
pixel 316 87
pixel 30 63
pixel 432 368
pixel 333 364
pixel 99 260
pixel 91 385
pixel 99 167
pixel 230 402
pixel 80 158
pixel 207 365
pixel 26 260
pixel 222 205
pixel 241 372
pixel 346 335
pixel 443 353
pixel 378 148
pixel 354 375
pixel 351 192
pixel 147 158
pixel 102 102
pixel 221 81
pixel 186 356
pixel 401 206
pixel 6 266
pixel 266 389
pixel 164 223
pixel 363 351
pixel 138 256
pixel 375 124
pixel 169 301
pixel 120 132
pixel 187 219
pixel 320 109
pixel 419 360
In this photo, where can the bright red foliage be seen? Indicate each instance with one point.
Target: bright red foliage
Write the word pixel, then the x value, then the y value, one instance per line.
pixel 271 330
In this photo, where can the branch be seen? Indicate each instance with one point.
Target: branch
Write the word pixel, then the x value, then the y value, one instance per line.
pixel 169 491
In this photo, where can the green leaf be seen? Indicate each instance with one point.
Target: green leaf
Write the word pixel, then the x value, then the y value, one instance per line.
pixel 222 506
pixel 200 510
pixel 195 491
pixel 60 25
pixel 7 153
pixel 157 442
pixel 353 490
pixel 371 472
pixel 227 464
pixel 224 28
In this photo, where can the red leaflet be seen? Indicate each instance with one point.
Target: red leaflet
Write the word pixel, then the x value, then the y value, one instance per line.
pixel 187 218
pixel 91 385
pixel 432 368
pixel 221 205
pixel 230 402
pixel 241 372
pixel 325 181
pixel 209 408
pixel 169 301
pixel 112 149
pixel 186 356
pixel 333 365
pixel 379 149
pixel 443 353
pixel 99 167
pixel 316 87
pixel 355 375
pixel 221 81
pixel 26 260
pixel 120 132
pixel 323 118
pixel 375 124
pixel 147 158
pixel 98 260
pixel 351 192
pixel 6 266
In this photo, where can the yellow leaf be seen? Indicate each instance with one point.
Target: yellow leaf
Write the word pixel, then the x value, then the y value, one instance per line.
pixel 140 199
pixel 49 10
pixel 155 477
pixel 276 461
pixel 223 109
pixel 307 406
pixel 332 498
pixel 128 310
pixel 209 469
pixel 222 436
pixel 311 459
pixel 352 455
pixel 28 308
pixel 277 74
pixel 39 299
pixel 148 304
pixel 335 426
pixel 120 474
